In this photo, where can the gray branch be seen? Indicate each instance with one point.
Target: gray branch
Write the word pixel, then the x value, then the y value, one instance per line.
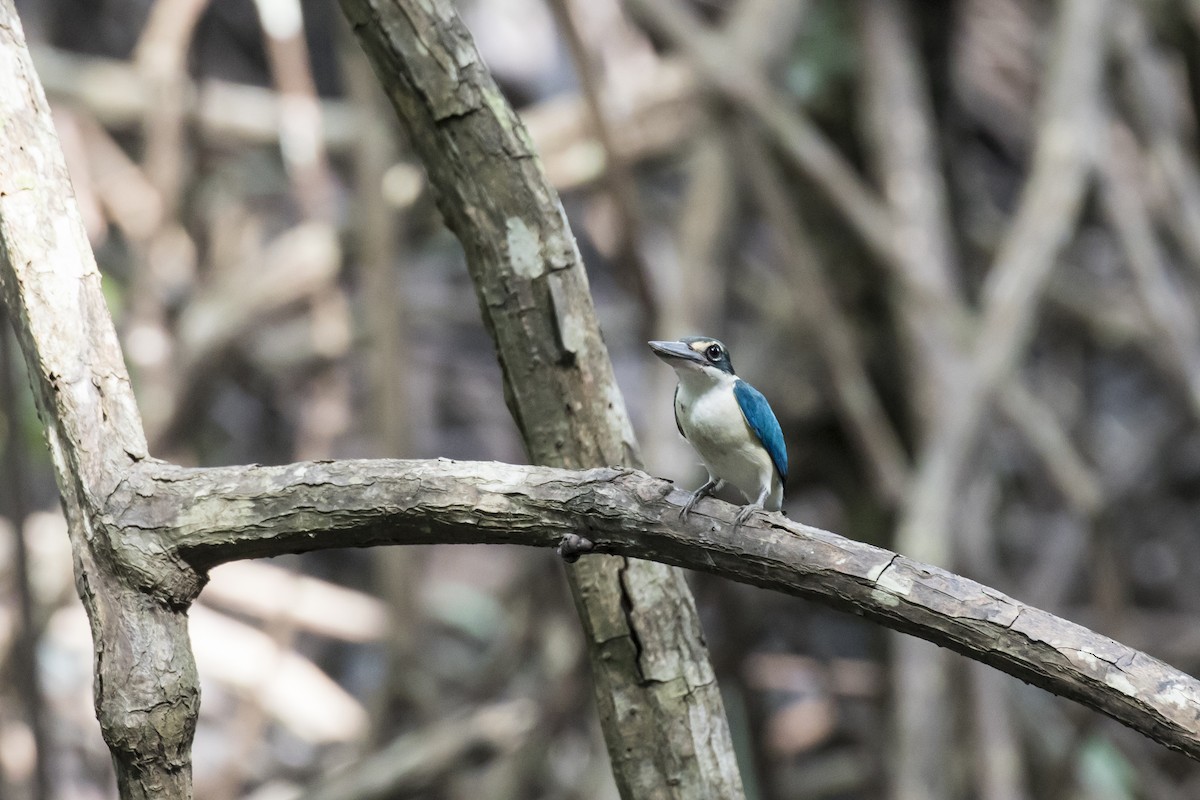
pixel 206 517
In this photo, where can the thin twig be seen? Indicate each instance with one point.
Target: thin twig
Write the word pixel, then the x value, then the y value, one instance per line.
pixel 899 120
pixel 936 319
pixel 959 394
pixel 618 176
pixel 763 31
pixel 792 131
pixel 303 149
pixel 414 762
pixel 161 61
pixel 662 114
pixel 857 401
pixel 1155 95
pixel 998 753
pixel 164 256
pixel 1043 432
pixel 1063 158
pixel 1169 312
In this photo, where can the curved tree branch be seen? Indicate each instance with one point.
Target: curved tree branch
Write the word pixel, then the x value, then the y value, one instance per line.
pixel 206 517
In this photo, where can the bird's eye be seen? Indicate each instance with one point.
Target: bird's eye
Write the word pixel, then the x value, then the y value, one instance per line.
pixel 713 352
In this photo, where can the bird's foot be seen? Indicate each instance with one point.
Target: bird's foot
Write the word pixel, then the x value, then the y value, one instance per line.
pixel 704 491
pixel 745 514
pixel 573 546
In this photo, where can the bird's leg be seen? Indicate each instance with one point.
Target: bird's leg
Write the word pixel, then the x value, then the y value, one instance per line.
pixel 711 487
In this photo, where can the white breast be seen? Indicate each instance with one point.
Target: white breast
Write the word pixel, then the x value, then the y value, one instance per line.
pixel 713 424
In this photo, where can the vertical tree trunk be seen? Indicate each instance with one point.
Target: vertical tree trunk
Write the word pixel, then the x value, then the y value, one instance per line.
pixel 659 703
pixel 147 693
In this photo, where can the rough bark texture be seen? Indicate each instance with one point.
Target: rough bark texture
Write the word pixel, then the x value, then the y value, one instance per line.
pixel 216 515
pixel 147 693
pixel 659 703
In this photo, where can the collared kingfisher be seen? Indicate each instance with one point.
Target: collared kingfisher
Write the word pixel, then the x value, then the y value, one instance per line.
pixel 728 423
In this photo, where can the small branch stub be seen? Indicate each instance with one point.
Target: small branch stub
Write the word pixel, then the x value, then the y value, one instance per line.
pixel 573 546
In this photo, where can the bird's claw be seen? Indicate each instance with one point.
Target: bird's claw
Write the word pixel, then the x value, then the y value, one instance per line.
pixel 745 514
pixel 704 491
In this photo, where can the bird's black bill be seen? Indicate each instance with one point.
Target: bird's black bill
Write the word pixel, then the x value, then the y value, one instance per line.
pixel 675 351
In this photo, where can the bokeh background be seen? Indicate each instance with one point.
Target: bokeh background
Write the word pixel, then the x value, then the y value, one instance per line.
pixel 285 290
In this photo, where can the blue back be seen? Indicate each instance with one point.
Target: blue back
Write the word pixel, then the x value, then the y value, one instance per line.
pixel 761 420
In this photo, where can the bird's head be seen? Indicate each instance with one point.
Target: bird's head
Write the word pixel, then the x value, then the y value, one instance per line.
pixel 696 355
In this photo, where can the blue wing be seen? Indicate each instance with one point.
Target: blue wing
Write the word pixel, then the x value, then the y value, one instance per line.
pixel 761 420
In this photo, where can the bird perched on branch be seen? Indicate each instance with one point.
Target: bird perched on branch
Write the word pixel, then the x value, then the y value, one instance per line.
pixel 728 423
